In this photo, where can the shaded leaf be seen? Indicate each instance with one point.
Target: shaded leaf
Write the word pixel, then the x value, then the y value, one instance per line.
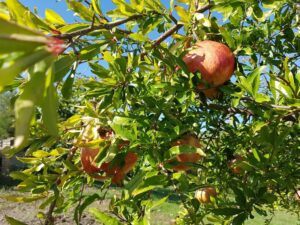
pixel 104 218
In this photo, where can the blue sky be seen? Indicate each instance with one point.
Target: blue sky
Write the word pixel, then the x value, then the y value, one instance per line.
pixel 60 6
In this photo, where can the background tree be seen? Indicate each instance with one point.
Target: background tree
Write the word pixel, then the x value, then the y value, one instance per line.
pixel 141 111
pixel 6 116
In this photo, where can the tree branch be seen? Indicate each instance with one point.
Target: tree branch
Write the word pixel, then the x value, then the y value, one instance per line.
pixel 292 116
pixel 231 110
pixel 176 27
pixel 49 219
pixel 279 107
pixel 106 26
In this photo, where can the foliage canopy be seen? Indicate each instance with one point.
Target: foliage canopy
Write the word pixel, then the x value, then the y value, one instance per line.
pixel 134 89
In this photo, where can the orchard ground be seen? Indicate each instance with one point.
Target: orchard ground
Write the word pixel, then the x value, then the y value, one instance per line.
pixel 162 215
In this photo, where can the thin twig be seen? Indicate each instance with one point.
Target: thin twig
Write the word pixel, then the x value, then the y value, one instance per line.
pixel 231 110
pixel 173 18
pixel 49 218
pixel 106 26
pixel 176 27
pixel 279 107
pixel 80 200
pixel 291 116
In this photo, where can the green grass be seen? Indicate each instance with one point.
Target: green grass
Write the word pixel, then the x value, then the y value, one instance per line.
pixel 164 214
pixel 280 218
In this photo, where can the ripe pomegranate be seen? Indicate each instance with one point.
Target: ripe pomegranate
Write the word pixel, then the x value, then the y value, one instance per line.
pixel 109 169
pixel 183 158
pixel 203 195
pixel 210 92
pixel 214 61
pixel 118 173
pixel 123 144
pixel 130 160
pixel 233 164
pixel 87 157
pixel 105 133
pixel 297 195
pixel 188 139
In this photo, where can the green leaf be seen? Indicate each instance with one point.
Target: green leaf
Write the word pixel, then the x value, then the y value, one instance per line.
pixel 73 27
pixel 104 218
pixel 279 89
pixel 203 19
pixel 22 198
pixel 40 154
pixel 67 87
pixel 252 82
pixel 50 103
pixel 138 5
pixel 82 11
pixel 8 27
pixel 99 70
pixel 53 17
pixel 8 74
pixel 88 200
pixel 125 128
pixel 13 221
pixel 96 7
pixel 157 203
pixel 155 5
pixel 255 154
pixel 20 43
pixel 262 98
pixel 18 12
pixel 18 175
pixel 93 50
pixel 108 57
pixel 138 37
pixel 227 211
pixel 182 13
pixel 135 181
pixel 185 149
pixel 124 8
pixel 31 94
pixel 62 66
pixel 239 219
pixel 150 183
pixel 288 75
pixel 228 37
pixel 258 13
pixel 225 9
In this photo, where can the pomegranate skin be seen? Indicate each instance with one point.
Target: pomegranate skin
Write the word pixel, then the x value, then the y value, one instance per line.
pixel 203 195
pixel 213 60
pixel 87 158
